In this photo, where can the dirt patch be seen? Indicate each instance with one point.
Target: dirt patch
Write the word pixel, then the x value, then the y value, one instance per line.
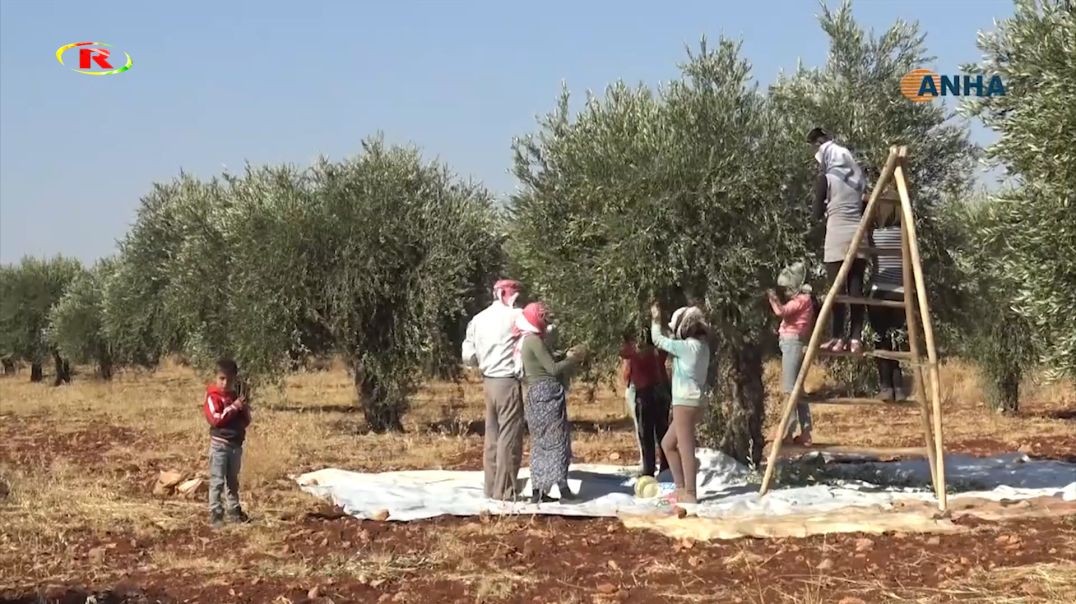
pixel 1062 448
pixel 539 558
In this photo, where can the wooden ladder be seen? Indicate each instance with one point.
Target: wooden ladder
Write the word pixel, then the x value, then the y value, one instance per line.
pixel 914 303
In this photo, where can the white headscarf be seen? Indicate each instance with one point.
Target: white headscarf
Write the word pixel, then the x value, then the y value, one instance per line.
pixel 838 162
pixel 686 316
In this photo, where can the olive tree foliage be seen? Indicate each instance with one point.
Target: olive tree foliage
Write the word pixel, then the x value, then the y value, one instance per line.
pixel 1034 218
pixel 138 319
pixel 28 291
pixel 665 195
pixel 997 338
pixel 395 250
pixel 76 327
pixel 377 258
pixel 856 97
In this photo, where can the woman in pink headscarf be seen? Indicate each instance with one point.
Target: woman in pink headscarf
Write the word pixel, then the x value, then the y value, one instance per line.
pixel 546 405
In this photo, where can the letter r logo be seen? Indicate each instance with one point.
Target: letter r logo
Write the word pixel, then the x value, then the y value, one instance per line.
pixel 97 55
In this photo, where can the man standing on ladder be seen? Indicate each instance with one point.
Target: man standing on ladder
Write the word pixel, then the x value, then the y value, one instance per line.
pixel 838 196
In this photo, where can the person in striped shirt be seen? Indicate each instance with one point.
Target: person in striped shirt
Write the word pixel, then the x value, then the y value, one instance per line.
pixel 887 283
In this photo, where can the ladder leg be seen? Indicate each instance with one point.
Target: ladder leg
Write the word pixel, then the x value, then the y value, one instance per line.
pixel 823 316
pixel 917 362
pixel 928 329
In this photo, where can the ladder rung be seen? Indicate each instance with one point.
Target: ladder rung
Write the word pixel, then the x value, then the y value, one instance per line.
pixel 874 452
pixel 889 197
pixel 850 401
pixel 878 354
pixel 869 301
pixel 879 251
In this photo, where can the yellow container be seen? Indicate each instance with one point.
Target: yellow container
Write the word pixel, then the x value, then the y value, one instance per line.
pixel 647 487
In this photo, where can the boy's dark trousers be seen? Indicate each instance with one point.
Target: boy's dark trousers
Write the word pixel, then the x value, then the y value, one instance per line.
pixel 224 462
pixel 651 423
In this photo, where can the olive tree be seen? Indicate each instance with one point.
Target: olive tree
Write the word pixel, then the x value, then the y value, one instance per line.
pixel 996 337
pixel 376 258
pixel 136 318
pixel 75 321
pixel 668 195
pixel 403 247
pixel 29 291
pixel 1034 217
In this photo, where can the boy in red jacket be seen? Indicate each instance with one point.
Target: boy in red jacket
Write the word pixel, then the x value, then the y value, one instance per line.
pixel 228 415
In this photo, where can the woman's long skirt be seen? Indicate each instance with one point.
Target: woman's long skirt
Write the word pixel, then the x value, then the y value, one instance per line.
pixel 551 437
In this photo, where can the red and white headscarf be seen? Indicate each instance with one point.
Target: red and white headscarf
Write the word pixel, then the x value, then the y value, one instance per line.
pixel 506 291
pixel 533 320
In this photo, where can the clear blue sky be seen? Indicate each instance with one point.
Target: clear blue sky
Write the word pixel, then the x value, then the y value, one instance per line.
pixel 217 84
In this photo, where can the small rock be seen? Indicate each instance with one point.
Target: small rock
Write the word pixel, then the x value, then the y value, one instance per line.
pixel 614 456
pixel 680 512
pixel 864 544
pixel 313 593
pixel 192 488
pixel 613 565
pixel 607 588
pixel 825 564
pixel 935 540
pixel 695 561
pixel 381 515
pixel 97 554
pixel 384 598
pixel 377 583
pixel 167 481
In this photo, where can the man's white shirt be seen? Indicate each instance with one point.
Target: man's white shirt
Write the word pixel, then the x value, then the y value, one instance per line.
pixel 489 343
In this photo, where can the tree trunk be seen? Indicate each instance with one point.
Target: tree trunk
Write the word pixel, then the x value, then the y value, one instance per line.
pixel 63 370
pixel 9 367
pixel 1003 391
pixel 295 359
pixel 36 373
pixel 382 412
pixel 104 365
pixel 741 435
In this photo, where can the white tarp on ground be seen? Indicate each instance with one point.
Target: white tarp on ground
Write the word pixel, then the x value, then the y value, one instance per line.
pixel 725 487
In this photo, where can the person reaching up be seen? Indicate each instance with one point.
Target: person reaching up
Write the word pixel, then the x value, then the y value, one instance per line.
pixel 686 342
pixel 796 311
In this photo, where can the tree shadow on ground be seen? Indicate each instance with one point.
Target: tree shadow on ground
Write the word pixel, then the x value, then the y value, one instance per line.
pixel 1066 414
pixel 478 427
pixel 300 408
